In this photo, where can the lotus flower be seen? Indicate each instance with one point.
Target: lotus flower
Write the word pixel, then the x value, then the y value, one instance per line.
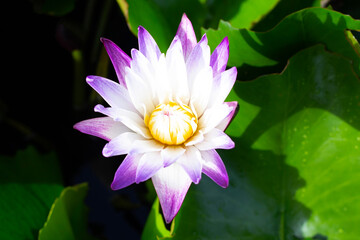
pixel 167 113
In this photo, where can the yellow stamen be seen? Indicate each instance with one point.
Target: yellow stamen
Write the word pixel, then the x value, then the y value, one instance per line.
pixel 172 124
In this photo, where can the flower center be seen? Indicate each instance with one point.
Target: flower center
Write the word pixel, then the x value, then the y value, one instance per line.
pixel 172 123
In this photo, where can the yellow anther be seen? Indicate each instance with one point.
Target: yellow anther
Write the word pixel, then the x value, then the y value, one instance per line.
pixel 172 123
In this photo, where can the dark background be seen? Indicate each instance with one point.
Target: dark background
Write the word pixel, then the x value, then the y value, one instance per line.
pixel 38 105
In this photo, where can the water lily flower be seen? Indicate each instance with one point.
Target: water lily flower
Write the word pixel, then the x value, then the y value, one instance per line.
pixel 167 113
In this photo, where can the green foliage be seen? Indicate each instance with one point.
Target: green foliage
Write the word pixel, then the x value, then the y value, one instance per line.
pixel 161 17
pixel 29 184
pixel 30 188
pixel 155 225
pixel 258 53
pixel 67 218
pixel 294 170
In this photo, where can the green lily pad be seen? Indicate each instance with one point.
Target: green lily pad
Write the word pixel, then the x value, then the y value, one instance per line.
pixel 155 225
pixel 241 14
pixel 294 173
pixel 258 53
pixel 162 17
pixel 68 216
pixel 29 184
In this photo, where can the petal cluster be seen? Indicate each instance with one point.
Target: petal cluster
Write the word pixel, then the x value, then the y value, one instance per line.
pixel 187 78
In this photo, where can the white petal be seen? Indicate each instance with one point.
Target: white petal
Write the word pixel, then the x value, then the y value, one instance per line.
pixel 163 90
pixel 142 146
pixel 196 138
pixel 197 60
pixel 171 185
pixel 186 35
pixel 122 144
pixel 213 117
pixel 130 119
pixel 214 168
pixel 149 164
pixel 139 92
pixel 225 122
pixel 219 57
pixel 201 90
pixel 215 139
pixel 171 153
pixel 126 173
pixel 145 70
pixel 102 127
pixel 177 76
pixel 222 86
pixel 147 45
pixel 113 93
pixel 191 162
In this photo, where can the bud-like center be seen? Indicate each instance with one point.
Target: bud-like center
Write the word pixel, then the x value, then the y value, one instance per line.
pixel 172 124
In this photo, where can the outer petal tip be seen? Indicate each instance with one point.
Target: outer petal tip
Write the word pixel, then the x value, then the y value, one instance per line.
pixel 107 152
pixel 186 35
pixel 214 168
pixel 171 184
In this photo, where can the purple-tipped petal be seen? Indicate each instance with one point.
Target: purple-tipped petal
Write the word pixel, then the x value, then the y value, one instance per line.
pixel 214 168
pixel 186 35
pixel 176 68
pixel 122 144
pixel 215 139
pixel 126 173
pixel 222 86
pixel 149 164
pixel 191 162
pixel 114 94
pixel 214 116
pixel 171 153
pixel 102 127
pixel 147 45
pixel 119 59
pixel 130 119
pixel 171 185
pixel 226 121
pixel 198 60
pixel 220 57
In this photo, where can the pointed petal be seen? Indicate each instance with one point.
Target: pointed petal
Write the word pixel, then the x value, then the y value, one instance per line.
pixel 143 68
pixel 214 168
pixel 130 119
pixel 171 153
pixel 177 75
pixel 126 173
pixel 149 164
pixel 191 162
pixel 226 121
pixel 119 59
pixel 148 46
pixel 186 35
pixel 222 86
pixel 114 94
pixel 215 139
pixel 148 145
pixel 198 60
pixel 220 57
pixel 212 117
pixel 201 90
pixel 122 144
pixel 171 185
pixel 102 127
pixel 139 92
